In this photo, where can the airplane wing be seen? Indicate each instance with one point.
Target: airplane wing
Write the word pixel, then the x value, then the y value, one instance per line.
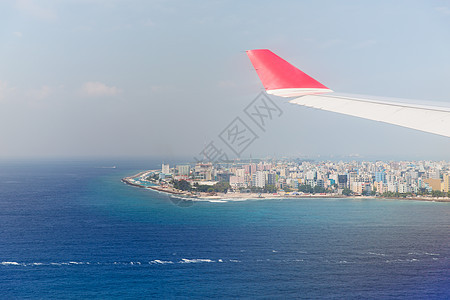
pixel 280 78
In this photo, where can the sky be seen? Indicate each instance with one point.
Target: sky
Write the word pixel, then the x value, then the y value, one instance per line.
pixel 115 78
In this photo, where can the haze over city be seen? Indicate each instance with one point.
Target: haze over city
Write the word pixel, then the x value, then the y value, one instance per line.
pixel 164 78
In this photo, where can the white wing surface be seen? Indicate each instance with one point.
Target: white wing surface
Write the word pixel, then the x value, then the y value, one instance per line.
pixel 433 119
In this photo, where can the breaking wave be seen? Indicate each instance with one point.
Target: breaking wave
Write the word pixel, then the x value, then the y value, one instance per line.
pixel 424 256
pixel 129 263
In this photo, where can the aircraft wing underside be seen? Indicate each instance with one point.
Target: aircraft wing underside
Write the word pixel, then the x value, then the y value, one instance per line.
pixel 433 119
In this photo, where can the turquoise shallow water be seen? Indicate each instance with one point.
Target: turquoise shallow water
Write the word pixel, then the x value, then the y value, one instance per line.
pixel 73 230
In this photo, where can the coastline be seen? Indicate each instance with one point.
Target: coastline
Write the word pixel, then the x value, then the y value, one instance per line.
pixel 138 180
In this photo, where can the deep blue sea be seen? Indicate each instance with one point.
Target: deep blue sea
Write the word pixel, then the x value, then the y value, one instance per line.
pixel 73 230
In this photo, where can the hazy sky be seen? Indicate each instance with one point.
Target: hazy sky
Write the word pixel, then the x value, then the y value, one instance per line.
pixel 164 78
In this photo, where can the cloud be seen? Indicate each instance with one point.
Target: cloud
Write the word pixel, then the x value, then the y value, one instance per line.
pixel 30 7
pixel 18 34
pixel 5 90
pixel 443 9
pixel 27 96
pixel 42 93
pixel 94 89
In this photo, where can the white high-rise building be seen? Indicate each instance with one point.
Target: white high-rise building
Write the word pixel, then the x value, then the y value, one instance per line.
pixel 165 169
pixel 183 170
pixel 259 179
pixel 311 175
pixel 240 172
pixel 237 182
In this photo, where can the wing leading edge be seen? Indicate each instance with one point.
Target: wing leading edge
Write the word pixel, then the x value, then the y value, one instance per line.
pixel 283 79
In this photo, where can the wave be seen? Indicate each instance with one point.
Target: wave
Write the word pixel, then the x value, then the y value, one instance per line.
pixel 10 263
pixel 423 253
pixel 426 256
pixel 402 260
pixel 161 262
pixel 129 263
pixel 376 254
pixel 196 260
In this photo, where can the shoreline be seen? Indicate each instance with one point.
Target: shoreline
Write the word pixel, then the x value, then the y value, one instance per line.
pixel 136 181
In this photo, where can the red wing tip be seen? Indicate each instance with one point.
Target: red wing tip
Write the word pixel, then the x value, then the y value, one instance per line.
pixel 277 74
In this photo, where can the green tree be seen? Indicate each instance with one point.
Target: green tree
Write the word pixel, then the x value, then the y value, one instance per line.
pixel 256 189
pixel 154 176
pixel 319 189
pixel 306 189
pixel 347 192
pixel 437 194
pixel 270 188
pixel 182 185
pixel 423 191
pixel 369 193
pixel 391 195
pixel 221 187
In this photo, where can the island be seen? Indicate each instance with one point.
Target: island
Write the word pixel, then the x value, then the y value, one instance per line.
pixel 275 179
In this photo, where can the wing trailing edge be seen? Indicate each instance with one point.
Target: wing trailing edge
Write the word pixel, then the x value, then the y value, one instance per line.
pixel 432 119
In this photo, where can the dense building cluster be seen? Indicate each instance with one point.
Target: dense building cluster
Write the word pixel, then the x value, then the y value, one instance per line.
pixel 363 178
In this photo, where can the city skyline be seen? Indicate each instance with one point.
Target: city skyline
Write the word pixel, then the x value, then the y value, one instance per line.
pixel 360 178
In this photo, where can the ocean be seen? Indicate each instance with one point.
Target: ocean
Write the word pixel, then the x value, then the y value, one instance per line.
pixel 71 230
